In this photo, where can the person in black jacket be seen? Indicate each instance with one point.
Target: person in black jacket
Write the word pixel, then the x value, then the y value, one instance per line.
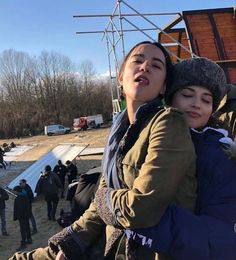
pixel 85 191
pixel 72 171
pixel 22 213
pixel 61 170
pixel 1 158
pixel 48 184
pixel 24 185
pixel 3 196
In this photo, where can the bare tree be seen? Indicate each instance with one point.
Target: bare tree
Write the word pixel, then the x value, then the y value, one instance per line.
pixel 16 87
pixel 87 74
pixel 56 77
pixel 35 91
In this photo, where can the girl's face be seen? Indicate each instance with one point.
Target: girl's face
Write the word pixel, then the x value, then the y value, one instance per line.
pixel 196 102
pixel 144 74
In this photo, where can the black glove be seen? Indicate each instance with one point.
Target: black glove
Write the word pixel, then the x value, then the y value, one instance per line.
pixel 64 241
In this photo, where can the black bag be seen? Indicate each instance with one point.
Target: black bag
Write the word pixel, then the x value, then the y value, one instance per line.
pixel 66 219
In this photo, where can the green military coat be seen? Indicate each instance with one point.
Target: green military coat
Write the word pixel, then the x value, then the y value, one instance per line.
pixel 158 170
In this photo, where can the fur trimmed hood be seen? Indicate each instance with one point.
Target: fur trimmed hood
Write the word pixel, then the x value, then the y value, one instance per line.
pixel 228 145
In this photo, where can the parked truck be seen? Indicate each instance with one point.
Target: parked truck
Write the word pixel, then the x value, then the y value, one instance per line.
pixel 56 130
pixel 85 122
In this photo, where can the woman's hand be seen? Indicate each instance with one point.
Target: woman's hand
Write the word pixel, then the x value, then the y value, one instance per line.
pixel 60 256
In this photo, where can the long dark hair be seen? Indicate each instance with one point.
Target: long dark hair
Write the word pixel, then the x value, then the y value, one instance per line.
pixel 169 64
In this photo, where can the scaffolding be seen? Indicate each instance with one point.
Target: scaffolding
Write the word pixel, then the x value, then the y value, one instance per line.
pixel 118 25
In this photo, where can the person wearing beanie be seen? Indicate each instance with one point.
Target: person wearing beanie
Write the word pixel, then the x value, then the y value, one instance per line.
pixel 209 234
pixel 198 72
pixel 48 185
pixel 21 213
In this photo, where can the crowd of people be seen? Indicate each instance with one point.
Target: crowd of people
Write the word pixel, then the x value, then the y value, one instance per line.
pixel 168 181
pixel 22 211
pixel 49 184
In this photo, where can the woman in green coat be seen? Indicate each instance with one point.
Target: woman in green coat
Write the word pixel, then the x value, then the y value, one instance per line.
pixel 149 162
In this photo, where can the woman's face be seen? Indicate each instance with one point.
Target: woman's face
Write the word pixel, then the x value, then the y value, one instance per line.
pixel 144 74
pixel 196 102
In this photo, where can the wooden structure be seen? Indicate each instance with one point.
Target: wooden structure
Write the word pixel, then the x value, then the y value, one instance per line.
pixel 208 33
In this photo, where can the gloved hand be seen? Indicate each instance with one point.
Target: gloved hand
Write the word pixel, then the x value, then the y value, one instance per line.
pixel 64 241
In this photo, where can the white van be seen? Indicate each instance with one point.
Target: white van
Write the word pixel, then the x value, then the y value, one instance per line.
pixel 56 130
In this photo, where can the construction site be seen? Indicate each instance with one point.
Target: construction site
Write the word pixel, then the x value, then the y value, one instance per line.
pixel 207 33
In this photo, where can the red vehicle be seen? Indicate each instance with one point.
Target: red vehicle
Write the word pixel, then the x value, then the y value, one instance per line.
pixel 85 122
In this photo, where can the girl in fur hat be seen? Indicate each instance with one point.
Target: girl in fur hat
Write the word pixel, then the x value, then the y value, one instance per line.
pixel 210 233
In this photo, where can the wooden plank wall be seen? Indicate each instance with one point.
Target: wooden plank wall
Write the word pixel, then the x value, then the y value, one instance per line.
pixel 232 73
pixel 226 25
pixel 179 35
pixel 212 34
pixel 202 37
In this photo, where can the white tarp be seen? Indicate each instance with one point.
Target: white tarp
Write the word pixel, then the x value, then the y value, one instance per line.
pixel 15 152
pixel 61 152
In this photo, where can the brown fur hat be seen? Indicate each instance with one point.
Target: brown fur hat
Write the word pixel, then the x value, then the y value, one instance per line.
pixel 198 72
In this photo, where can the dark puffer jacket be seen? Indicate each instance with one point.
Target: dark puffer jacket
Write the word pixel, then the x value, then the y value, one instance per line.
pixel 48 184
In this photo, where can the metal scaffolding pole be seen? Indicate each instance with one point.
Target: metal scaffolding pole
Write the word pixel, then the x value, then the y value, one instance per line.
pixel 115 30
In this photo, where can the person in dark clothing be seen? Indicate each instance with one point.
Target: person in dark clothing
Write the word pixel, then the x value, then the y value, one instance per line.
pixel 48 184
pixel 22 213
pixel 1 158
pixel 12 145
pixel 3 197
pixel 23 184
pixel 71 171
pixel 80 193
pixel 61 170
pixel 85 191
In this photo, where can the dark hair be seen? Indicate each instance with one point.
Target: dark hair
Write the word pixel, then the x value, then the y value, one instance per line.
pixel 23 180
pixel 48 168
pixel 169 64
pixel 17 188
pixel 68 162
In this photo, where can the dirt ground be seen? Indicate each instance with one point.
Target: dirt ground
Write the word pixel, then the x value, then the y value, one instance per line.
pixel 43 144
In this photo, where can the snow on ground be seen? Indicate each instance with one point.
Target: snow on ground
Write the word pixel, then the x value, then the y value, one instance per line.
pixel 16 152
